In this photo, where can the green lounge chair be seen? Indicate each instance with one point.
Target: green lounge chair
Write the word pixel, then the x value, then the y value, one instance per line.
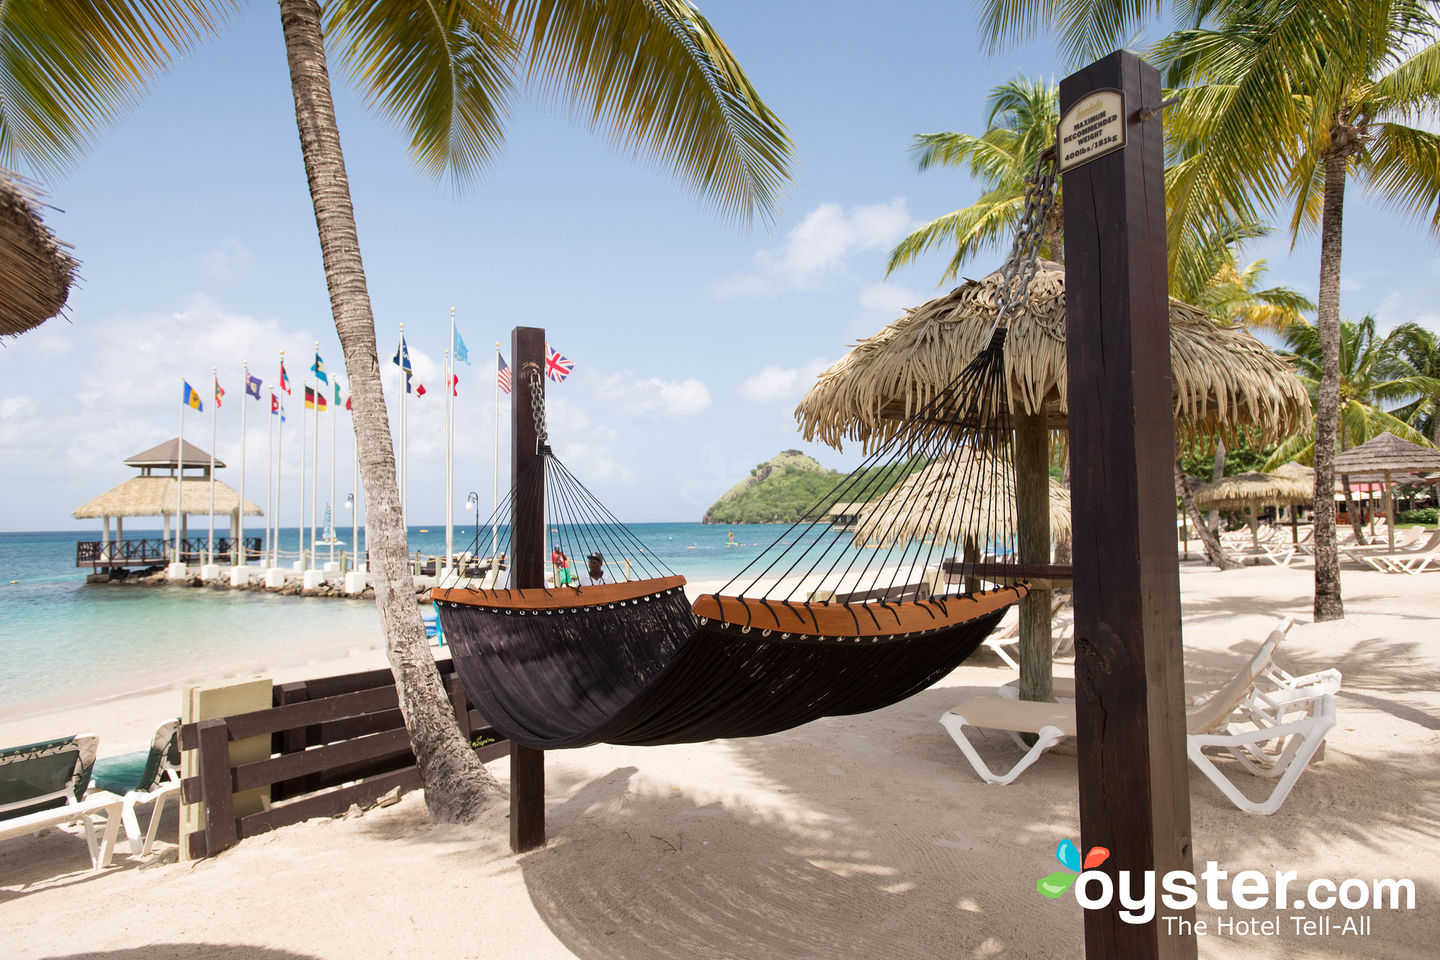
pixel 146 776
pixel 43 785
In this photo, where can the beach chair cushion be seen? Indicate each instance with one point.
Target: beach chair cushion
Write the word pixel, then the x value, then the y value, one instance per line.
pixel 144 769
pixel 41 776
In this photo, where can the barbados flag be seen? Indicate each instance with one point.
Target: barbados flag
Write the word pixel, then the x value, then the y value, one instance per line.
pixel 192 399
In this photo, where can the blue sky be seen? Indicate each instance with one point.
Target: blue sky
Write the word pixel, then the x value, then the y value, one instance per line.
pixel 692 339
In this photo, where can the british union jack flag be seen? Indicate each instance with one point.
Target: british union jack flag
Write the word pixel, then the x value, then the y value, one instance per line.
pixel 557 368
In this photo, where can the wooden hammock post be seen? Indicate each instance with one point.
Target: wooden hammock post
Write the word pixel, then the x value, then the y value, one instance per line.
pixel 1134 779
pixel 1032 527
pixel 527 570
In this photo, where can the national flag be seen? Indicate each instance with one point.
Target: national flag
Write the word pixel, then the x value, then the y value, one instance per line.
pixel 503 376
pixel 458 351
pixel 419 389
pixel 275 407
pixel 318 368
pixel 337 395
pixel 284 380
pixel 252 385
pixel 320 400
pixel 219 394
pixel 402 357
pixel 557 368
pixel 309 398
pixel 347 401
pixel 192 399
pixel 454 384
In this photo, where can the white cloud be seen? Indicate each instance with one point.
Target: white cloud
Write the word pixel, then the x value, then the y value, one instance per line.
pixel 882 303
pixel 775 383
pixel 654 397
pixel 1399 307
pixel 819 247
pixel 228 263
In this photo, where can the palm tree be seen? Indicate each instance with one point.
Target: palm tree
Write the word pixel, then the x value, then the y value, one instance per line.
pixel 1370 379
pixel 653 73
pixel 1020 126
pixel 1281 102
pixel 1416 353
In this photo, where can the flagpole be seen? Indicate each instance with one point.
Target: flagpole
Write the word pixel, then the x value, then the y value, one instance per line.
pixel 214 409
pixel 449 449
pixel 315 460
pixel 240 532
pixel 330 534
pixel 269 485
pixel 279 464
pixel 303 388
pixel 495 530
pixel 355 494
pixel 404 448
pixel 180 467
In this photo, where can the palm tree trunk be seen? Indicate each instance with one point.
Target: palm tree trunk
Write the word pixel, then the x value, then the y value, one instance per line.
pixel 457 785
pixel 1214 550
pixel 1329 605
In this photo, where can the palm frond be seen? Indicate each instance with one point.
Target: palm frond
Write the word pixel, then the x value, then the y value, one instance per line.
pixel 440 69
pixel 68 68
pixel 657 77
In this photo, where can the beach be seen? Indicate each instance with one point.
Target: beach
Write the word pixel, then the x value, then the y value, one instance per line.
pixel 852 837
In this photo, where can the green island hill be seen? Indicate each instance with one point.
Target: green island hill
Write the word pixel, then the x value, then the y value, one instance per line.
pixel 791 486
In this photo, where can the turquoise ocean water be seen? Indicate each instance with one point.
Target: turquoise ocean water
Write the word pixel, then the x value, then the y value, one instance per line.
pixel 60 636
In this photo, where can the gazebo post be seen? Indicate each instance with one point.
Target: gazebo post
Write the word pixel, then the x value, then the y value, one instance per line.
pixel 120 534
pixel 1032 525
pixel 105 533
pixel 1130 711
pixel 1390 510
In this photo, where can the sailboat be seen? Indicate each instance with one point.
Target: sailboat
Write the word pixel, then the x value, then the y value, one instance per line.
pixel 330 540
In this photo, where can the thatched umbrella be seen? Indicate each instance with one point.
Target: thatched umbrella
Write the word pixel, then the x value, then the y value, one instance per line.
pixel 929 504
pixel 1385 456
pixel 35 269
pixel 1223 379
pixel 1248 491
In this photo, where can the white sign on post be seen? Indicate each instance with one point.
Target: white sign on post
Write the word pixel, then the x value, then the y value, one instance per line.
pixel 1092 128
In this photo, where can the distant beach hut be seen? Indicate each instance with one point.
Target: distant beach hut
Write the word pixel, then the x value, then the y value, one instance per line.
pixel 1384 456
pixel 152 494
pixel 36 270
pixel 1250 491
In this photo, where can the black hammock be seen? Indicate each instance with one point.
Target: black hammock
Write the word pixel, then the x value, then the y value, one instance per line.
pixel 825 623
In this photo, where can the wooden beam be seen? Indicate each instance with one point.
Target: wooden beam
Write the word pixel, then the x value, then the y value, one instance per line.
pixel 1134 779
pixel 1032 527
pixel 527 566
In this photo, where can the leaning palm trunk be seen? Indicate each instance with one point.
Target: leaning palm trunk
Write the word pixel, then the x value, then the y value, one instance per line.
pixel 457 785
pixel 1329 605
pixel 1214 549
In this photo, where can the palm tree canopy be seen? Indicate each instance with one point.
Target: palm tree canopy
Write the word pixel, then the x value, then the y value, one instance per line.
pixel 1023 114
pixel 652 74
pixel 1370 381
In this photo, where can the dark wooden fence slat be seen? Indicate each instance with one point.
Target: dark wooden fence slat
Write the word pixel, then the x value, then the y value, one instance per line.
pixel 214 755
pixel 318 759
pixel 289 741
pixel 275 719
pixel 329 804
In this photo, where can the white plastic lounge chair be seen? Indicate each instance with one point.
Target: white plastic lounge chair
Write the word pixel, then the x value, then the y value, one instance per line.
pixel 1006 633
pixel 1273 733
pixel 146 776
pixel 41 785
pixel 1410 556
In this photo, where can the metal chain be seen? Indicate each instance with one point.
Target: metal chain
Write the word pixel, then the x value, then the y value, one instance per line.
pixel 1020 267
pixel 537 407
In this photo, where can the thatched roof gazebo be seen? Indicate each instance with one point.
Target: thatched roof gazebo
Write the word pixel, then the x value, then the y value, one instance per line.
pixel 1384 456
pixel 36 270
pixel 1224 380
pixel 1250 491
pixel 153 494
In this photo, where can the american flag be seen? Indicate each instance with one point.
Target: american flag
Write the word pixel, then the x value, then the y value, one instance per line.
pixel 557 368
pixel 504 375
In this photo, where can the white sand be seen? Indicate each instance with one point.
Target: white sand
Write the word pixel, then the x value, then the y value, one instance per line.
pixel 855 837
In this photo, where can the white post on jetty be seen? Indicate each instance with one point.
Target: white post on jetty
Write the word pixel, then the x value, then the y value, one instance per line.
pixel 334 413
pixel 449 454
pixel 214 409
pixel 270 476
pixel 279 473
pixel 355 500
pixel 304 385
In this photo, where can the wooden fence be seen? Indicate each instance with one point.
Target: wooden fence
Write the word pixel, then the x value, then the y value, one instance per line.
pixel 335 741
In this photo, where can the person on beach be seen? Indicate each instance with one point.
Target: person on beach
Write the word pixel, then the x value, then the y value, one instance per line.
pixel 562 566
pixel 597 566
